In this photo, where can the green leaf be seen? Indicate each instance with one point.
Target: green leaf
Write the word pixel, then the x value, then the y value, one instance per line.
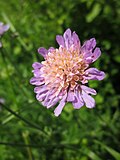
pixel 113 152
pixel 94 13
pixel 92 155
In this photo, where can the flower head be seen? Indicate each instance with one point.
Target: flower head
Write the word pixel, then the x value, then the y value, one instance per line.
pixel 3 28
pixel 63 75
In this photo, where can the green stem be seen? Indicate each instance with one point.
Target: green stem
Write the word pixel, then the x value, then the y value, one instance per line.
pixel 26 140
pixel 24 120
pixel 13 29
pixel 4 53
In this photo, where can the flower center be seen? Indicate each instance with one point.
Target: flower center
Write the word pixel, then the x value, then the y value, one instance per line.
pixel 63 68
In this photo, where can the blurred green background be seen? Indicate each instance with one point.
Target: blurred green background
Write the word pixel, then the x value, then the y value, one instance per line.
pixel 28 131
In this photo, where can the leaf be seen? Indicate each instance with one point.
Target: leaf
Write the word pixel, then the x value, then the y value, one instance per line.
pixel 92 155
pixel 113 152
pixel 94 13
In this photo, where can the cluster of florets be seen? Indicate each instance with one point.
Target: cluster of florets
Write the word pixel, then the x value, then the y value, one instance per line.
pixel 63 75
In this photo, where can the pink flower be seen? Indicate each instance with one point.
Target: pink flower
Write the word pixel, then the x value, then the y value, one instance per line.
pixel 3 28
pixel 63 75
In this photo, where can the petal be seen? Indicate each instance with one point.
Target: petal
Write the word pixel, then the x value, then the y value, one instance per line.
pixel 60 40
pixel 89 101
pixel 87 48
pixel 3 28
pixel 41 92
pixel 51 49
pixel 67 34
pixel 96 54
pixel 88 90
pixel 41 97
pixel 78 102
pixel 43 51
pixel 37 65
pixel 1 23
pixel 89 45
pixel 50 98
pixel 67 38
pixel 52 102
pixel 70 96
pixel 36 73
pixel 88 60
pixel 59 108
pixel 47 99
pixel 41 89
pixel 45 102
pixel 90 56
pixel 76 40
pixel 37 81
pixel 94 74
pixel 6 27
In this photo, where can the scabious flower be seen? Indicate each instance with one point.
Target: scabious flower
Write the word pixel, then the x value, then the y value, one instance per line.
pixel 3 29
pixel 63 75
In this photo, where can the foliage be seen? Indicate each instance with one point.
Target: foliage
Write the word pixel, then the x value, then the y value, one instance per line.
pixel 27 129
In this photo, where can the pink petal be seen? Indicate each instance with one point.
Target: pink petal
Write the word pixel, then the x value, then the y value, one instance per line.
pixel 90 56
pixel 6 27
pixel 78 102
pixel 41 92
pixel 89 45
pixel 36 73
pixel 96 54
pixel 51 49
pixel 3 28
pixel 43 51
pixel 70 96
pixel 37 65
pixel 41 89
pixel 89 101
pixel 52 102
pixel 1 24
pixel 67 38
pixel 41 97
pixel 76 40
pixel 60 107
pixel 37 81
pixel 60 40
pixel 88 90
pixel 94 74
